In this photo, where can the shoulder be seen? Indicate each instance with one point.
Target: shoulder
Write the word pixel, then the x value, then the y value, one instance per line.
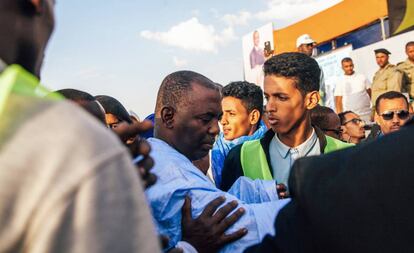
pixel 234 153
pixel 64 127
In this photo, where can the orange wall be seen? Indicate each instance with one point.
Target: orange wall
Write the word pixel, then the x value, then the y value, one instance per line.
pixel 337 20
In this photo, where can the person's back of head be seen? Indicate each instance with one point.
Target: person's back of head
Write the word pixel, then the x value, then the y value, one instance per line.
pixel 115 112
pixel 86 101
pixel 242 106
pixel 327 120
pixel 76 96
pixel 24 44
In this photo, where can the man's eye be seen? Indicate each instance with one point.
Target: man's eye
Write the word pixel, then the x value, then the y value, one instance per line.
pixel 283 98
pixel 205 119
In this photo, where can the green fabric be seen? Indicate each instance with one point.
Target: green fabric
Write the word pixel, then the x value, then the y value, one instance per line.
pixel 333 144
pixel 14 79
pixel 254 162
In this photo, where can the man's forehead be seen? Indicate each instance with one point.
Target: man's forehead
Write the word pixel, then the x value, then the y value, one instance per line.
pixel 350 115
pixel 381 55
pixel 392 104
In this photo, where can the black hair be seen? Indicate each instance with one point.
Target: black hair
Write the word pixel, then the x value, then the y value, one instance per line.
pixel 250 94
pixel 113 106
pixel 389 95
pixel 409 44
pixel 319 116
pixel 342 116
pixel 174 88
pixel 86 101
pixel 76 95
pixel 346 59
pixel 298 66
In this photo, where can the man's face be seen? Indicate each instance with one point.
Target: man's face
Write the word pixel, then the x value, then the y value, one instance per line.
pixel 382 59
pixel 393 113
pixel 348 67
pixel 195 124
pixel 306 49
pixel 285 104
pixel 410 52
pixel 256 39
pixel 353 126
pixel 235 119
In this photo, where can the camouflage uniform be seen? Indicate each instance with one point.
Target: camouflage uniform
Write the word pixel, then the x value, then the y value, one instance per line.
pixel 386 79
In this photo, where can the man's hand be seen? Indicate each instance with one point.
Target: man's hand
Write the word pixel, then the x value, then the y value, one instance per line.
pixel 128 133
pixel 206 232
pixel 282 191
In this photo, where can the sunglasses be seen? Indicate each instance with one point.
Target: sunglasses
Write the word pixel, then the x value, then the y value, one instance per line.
pixel 389 115
pixel 356 121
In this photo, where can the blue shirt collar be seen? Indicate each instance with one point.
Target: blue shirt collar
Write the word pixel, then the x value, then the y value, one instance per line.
pixel 303 148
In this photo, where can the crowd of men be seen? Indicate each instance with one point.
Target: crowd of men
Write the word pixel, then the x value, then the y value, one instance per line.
pixel 214 171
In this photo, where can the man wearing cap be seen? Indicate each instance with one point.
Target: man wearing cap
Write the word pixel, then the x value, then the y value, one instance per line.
pixel 387 78
pixel 407 67
pixel 305 44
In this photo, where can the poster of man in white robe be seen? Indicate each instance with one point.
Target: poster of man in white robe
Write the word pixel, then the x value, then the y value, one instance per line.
pixel 255 46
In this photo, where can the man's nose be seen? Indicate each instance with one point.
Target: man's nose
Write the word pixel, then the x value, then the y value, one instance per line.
pixel 223 119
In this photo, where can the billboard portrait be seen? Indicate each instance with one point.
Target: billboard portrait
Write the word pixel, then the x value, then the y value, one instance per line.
pixel 255 44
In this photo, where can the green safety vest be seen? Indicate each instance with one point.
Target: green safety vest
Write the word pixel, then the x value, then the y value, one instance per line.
pixel 16 80
pixel 254 162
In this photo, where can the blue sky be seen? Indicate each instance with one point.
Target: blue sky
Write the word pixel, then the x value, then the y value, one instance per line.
pixel 125 48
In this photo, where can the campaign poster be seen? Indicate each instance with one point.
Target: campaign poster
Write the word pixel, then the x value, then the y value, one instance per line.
pixel 256 46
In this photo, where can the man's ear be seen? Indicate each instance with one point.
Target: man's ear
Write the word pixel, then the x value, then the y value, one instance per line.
pixel 376 117
pixel 254 117
pixel 167 116
pixel 312 99
pixel 343 130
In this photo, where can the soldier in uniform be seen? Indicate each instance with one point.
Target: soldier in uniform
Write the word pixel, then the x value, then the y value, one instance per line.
pixel 407 67
pixel 387 78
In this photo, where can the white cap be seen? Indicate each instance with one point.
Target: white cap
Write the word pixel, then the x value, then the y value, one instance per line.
pixel 304 39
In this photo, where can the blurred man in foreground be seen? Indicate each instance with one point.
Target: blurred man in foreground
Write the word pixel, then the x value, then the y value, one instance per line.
pixel 67 183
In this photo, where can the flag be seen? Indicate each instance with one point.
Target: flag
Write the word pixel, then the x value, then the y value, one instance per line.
pixel 401 16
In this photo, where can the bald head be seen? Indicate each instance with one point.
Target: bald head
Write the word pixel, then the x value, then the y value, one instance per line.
pixel 175 87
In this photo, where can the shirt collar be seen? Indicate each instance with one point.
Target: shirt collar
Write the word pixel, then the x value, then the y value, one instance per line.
pixel 302 149
pixel 163 146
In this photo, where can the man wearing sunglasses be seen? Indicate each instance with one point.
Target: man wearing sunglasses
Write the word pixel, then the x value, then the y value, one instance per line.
pixel 391 111
pixel 352 127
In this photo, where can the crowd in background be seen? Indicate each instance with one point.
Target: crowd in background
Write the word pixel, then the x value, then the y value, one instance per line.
pixel 215 168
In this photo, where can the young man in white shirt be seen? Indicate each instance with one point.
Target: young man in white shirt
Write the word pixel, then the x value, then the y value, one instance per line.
pixel 353 92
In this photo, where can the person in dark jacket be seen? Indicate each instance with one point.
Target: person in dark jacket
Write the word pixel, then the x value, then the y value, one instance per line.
pixel 355 200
